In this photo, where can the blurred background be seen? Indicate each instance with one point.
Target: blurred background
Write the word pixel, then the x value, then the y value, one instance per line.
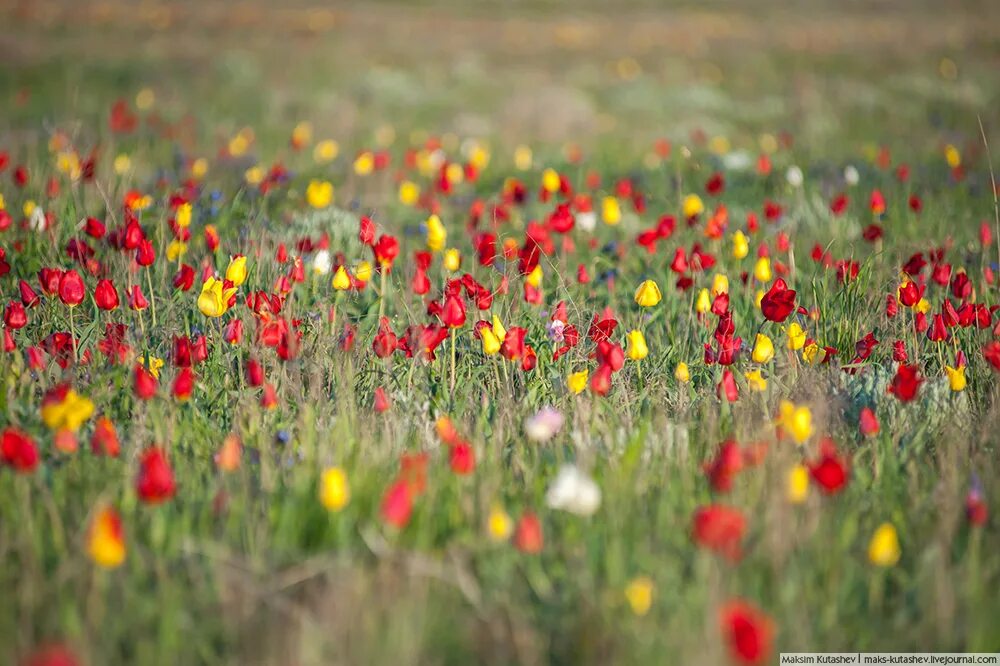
pixel 837 75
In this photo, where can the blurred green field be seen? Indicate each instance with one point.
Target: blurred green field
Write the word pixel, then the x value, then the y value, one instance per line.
pixel 248 567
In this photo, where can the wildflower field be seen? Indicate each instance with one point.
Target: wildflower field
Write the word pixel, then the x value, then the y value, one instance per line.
pixel 438 333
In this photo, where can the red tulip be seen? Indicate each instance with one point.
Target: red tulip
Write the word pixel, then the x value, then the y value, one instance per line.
pixel 144 383
pixel 105 295
pixel 727 387
pixel 397 505
pixel 71 288
pixel 906 383
pixel 778 302
pixel 748 632
pixel 528 536
pixel 722 470
pixel 255 373
pixel 136 299
pixel 868 423
pixel 600 381
pixel 29 298
pixel 184 384
pixel 385 342
pixel 14 315
pixel 462 458
pixel 719 528
pixel 18 450
pixel 830 470
pixel 382 403
pixel 155 483
pixel 453 312
pixel 991 352
pixel 49 279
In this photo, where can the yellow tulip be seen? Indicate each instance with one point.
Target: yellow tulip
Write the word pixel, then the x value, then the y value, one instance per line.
pixel 763 349
pixel 437 235
pixel 923 305
pixel 704 302
pixel 956 378
pixel 490 343
pixel 498 330
pixel 236 272
pixel 319 193
pixel 341 280
pixel 883 549
pixel 302 133
pixel 692 205
pixel 334 492
pixel 364 271
pixel 648 294
pixel 122 165
pixel 577 381
pixel 762 270
pixel 452 259
pixel 796 336
pixel 794 420
pixel 214 299
pixel 720 285
pixel 637 349
pixel 741 245
pixel 682 373
pixel 798 484
pixel 326 151
pixel 409 193
pixel 550 181
pixel 611 211
pixel 364 164
pixel 254 176
pixel 639 594
pixel 952 156
pixel 183 215
pixel 176 249
pixel 534 278
pixel 813 354
pixel 755 380
pixel 454 173
pixel 499 524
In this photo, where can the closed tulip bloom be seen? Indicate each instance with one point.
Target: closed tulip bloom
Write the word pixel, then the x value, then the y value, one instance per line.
pixel 637 349
pixel 762 270
pixel 334 492
pixel 883 549
pixel 105 295
pixel 71 288
pixel 437 235
pixel 155 482
pixel 648 294
pixel 741 245
pixel 499 524
pixel 319 193
pixel 639 594
pixel 692 206
pixel 341 280
pixel 763 349
pixel 794 420
pixel 491 345
pixel 15 316
pixel 452 260
pixel 798 484
pixel 236 272
pixel 682 373
pixel 106 539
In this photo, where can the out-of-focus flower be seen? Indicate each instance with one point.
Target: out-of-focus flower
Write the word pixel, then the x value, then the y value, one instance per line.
pixel 682 373
pixel 544 425
pixel 106 539
pixel 499 524
pixel 573 491
pixel 639 594
pixel 798 484
pixel 64 409
pixel 883 548
pixel 319 193
pixel 577 381
pixel 334 492
pixel 795 420
pixel 794 176
pixel 748 632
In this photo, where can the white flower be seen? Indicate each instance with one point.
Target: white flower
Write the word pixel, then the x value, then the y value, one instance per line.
pixel 794 176
pixel 37 221
pixel 586 221
pixel 851 175
pixel 321 262
pixel 573 491
pixel 544 425
pixel 739 160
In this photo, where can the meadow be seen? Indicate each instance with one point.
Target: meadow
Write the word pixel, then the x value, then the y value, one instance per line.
pixel 436 333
